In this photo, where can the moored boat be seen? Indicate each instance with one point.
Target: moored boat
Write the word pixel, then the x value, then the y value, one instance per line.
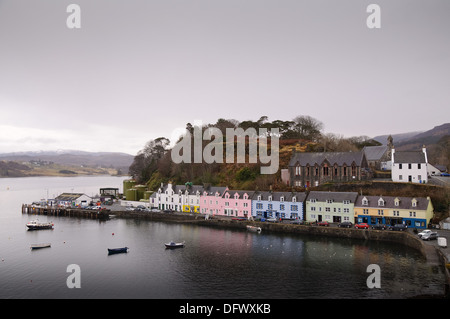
pixel 35 225
pixel 117 250
pixel 174 245
pixel 39 246
pixel 253 228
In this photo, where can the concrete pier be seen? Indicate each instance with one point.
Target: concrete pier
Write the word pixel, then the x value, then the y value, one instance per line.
pixel 66 211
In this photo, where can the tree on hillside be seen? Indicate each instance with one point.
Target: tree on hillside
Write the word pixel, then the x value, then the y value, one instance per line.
pixel 145 163
pixel 308 128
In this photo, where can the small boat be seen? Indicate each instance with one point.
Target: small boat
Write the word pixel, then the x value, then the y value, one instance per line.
pixel 253 228
pixel 39 246
pixel 112 251
pixel 174 245
pixel 35 225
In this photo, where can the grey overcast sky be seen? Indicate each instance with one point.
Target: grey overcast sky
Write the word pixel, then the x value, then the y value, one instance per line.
pixel 139 69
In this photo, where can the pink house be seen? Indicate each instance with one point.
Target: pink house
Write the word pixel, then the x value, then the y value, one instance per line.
pixel 237 203
pixel 211 201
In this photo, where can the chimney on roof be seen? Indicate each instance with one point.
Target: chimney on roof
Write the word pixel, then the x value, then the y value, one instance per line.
pixel 424 150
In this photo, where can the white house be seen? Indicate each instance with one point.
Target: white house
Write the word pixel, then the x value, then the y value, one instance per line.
pixel 409 166
pixel 180 198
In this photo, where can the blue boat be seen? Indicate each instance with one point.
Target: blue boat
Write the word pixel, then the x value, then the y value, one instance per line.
pixel 112 251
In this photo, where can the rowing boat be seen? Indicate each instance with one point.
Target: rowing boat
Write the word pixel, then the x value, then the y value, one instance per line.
pixel 39 246
pixel 174 245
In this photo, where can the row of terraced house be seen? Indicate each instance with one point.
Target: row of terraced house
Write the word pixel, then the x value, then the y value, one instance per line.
pixel 333 207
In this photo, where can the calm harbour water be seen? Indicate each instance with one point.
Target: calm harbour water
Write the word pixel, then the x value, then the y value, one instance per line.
pixel 216 263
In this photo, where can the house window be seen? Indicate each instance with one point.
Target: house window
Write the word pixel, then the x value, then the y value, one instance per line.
pixel 294 208
pixel 400 177
pixel 419 166
pixel 329 201
pixel 346 201
pixel 412 214
pixel 380 202
pixel 270 206
pixel 399 166
pixel 281 199
pixel 346 210
pixel 365 202
pixel 409 166
pixel 298 170
pixel 259 206
pixel 294 199
pixel 325 170
pixel 380 212
pixel 281 207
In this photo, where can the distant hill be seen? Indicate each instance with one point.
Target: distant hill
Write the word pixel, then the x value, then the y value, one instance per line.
pixel 73 157
pixel 54 162
pixel 410 140
pixel 436 141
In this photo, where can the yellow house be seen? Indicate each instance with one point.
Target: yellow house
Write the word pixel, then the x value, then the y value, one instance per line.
pixel 389 210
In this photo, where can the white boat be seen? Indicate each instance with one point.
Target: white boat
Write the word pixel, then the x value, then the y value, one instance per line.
pixel 253 228
pixel 35 224
pixel 174 245
pixel 39 246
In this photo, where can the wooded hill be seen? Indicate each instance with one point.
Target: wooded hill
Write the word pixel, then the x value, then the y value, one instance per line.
pixel 153 165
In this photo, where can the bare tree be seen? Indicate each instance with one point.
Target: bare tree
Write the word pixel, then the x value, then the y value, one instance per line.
pixel 308 128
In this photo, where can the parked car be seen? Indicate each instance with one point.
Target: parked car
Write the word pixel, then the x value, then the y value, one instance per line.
pixel 430 236
pixel 323 223
pixel 379 226
pixel 400 227
pixel 362 225
pixel 445 174
pixel 345 224
pixel 423 232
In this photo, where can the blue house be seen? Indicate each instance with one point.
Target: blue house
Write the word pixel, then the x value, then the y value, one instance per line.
pixel 284 205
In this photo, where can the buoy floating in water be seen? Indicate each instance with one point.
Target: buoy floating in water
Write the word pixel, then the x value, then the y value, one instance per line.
pixel 113 234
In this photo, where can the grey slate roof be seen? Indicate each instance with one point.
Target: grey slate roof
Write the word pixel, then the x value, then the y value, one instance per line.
pixel 212 190
pixel 375 153
pixel 240 193
pixel 276 196
pixel 334 196
pixel 68 196
pixel 409 157
pixel 389 202
pixel 339 158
